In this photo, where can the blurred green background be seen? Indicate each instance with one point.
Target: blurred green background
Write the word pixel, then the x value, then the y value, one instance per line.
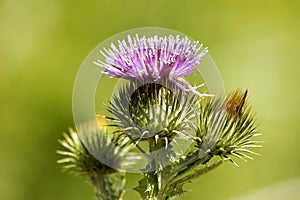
pixel 42 44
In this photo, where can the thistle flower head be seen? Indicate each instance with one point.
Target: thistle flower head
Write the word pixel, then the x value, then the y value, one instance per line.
pixel 227 127
pixel 107 181
pixel 101 156
pixel 154 58
pixel 153 111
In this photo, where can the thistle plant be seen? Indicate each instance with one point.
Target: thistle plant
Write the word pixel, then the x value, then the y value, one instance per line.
pixel 180 132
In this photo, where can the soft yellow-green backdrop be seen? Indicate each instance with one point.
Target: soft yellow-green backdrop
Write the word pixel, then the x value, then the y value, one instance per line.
pixel 43 42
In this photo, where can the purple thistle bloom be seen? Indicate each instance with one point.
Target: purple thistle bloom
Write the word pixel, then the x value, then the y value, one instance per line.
pixel 154 58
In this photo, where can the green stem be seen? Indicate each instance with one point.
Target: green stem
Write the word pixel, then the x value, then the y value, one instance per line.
pixel 199 173
pixel 104 189
pixel 155 176
pixel 152 185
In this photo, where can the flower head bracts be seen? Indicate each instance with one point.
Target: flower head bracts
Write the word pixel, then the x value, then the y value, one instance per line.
pixel 154 58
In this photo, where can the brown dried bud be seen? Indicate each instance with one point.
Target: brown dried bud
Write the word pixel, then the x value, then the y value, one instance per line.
pixel 236 102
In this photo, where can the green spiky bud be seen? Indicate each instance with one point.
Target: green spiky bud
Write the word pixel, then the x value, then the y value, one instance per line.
pixel 107 180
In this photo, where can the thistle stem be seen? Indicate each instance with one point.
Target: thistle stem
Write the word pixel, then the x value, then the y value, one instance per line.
pixel 155 177
pixel 103 187
pixel 200 172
